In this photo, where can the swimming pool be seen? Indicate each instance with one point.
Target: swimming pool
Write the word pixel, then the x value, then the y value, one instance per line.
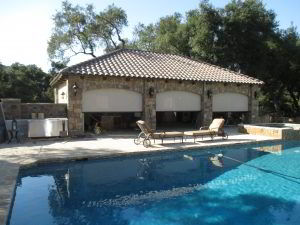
pixel 210 186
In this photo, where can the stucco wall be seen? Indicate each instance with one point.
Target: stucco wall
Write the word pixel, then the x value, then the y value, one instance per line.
pixel 62 93
pixel 142 86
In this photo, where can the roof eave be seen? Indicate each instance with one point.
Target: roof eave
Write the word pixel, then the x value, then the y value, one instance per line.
pixel 56 79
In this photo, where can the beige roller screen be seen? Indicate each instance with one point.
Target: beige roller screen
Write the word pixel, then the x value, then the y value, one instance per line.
pixel 111 100
pixel 177 101
pixel 230 102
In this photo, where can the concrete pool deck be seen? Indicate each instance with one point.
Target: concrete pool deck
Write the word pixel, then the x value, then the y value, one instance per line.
pixel 14 156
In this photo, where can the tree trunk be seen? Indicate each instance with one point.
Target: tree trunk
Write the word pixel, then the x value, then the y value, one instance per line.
pixel 295 101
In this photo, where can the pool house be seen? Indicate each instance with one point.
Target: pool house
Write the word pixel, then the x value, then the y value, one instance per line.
pixel 165 90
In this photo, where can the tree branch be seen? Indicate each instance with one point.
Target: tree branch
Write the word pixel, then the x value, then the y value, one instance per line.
pixel 84 49
pixel 117 32
pixel 92 49
pixel 111 39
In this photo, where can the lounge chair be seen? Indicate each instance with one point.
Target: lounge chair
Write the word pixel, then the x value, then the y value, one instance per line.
pixel 216 128
pixel 147 134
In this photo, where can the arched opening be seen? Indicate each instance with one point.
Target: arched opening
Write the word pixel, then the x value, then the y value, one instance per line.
pixel 111 109
pixel 233 107
pixel 178 109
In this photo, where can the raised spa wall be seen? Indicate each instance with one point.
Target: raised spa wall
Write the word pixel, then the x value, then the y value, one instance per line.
pixel 286 133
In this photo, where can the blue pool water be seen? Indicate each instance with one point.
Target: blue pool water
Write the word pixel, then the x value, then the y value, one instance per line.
pixel 208 187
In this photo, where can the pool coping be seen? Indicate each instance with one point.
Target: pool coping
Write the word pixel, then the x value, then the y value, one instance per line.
pixel 9 186
pixel 149 151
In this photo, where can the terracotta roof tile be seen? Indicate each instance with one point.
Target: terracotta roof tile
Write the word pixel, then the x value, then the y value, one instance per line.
pixel 136 63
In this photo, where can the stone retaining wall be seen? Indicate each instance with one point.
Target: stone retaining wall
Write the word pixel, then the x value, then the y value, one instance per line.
pixel 13 108
pixel 50 110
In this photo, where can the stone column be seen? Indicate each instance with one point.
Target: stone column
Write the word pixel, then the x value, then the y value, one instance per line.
pixel 207 104
pixel 150 103
pixel 75 115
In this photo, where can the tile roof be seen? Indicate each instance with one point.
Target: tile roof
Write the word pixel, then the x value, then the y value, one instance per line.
pixel 144 64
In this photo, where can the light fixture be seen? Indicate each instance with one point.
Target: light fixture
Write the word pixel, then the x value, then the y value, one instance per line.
pixel 209 93
pixel 63 95
pixel 75 88
pixel 151 92
pixel 255 94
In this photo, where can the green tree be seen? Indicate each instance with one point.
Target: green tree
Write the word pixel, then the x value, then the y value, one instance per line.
pixel 242 36
pixel 205 26
pixel 247 28
pixel 109 25
pixel 56 67
pixel 172 35
pixel 169 35
pixel 281 88
pixel 291 64
pixel 29 83
pixel 144 37
pixel 80 30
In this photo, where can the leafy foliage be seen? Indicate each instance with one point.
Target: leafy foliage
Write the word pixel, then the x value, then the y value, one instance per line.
pixel 56 67
pixel 169 35
pixel 80 30
pixel 109 24
pixel 242 36
pixel 29 83
pixel 282 93
pixel 205 26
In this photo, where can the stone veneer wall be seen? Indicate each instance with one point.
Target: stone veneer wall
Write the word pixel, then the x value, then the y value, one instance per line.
pixel 11 108
pixel 257 130
pixel 15 109
pixel 50 110
pixel 290 134
pixel 279 133
pixel 76 117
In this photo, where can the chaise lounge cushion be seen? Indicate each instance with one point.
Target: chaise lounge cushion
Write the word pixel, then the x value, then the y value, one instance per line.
pixel 158 135
pixel 216 125
pixel 198 133
pixel 171 134
pixel 213 129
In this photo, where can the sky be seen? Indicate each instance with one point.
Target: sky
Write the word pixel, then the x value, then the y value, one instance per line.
pixel 26 25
